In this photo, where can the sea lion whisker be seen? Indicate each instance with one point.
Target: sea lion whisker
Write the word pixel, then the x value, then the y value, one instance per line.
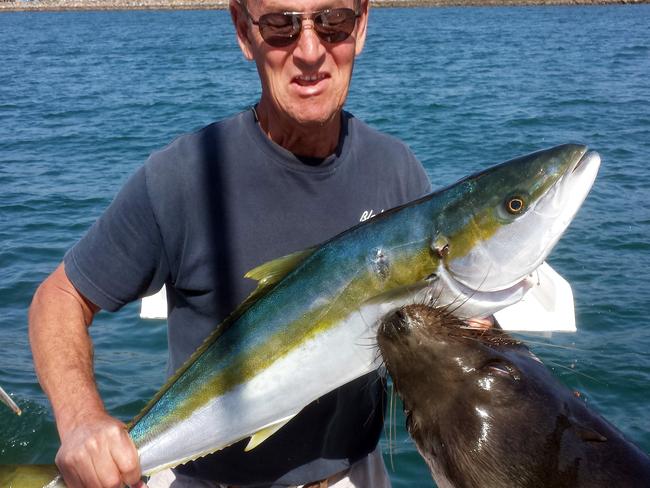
pixel 434 300
pixel 382 374
pixel 424 299
pixel 392 423
pixel 554 346
pixel 448 307
pixel 380 358
pixel 471 295
pixel 502 339
pixel 367 342
pixel 578 373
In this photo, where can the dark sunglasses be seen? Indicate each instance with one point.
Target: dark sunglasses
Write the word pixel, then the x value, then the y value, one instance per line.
pixel 281 29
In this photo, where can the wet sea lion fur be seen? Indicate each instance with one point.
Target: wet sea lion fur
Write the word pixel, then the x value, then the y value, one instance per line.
pixel 485 412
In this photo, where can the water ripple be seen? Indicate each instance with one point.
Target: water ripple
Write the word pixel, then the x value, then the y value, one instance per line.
pixel 93 93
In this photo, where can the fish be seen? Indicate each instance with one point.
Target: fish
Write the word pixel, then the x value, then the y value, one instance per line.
pixel 26 475
pixel 314 312
pixel 485 412
pixel 7 400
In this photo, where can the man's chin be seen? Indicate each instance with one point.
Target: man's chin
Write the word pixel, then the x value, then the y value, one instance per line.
pixel 316 118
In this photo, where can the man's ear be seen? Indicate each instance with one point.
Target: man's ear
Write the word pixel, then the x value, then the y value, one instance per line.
pixel 240 21
pixel 362 26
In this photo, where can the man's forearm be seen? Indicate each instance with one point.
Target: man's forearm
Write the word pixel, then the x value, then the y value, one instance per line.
pixel 96 450
pixel 63 355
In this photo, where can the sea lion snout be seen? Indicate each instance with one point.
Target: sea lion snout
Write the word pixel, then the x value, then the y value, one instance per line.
pixel 408 320
pixel 395 324
pixel 420 319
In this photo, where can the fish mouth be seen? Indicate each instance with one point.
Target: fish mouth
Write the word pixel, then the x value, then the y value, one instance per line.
pixel 564 199
pixel 590 158
pixel 472 302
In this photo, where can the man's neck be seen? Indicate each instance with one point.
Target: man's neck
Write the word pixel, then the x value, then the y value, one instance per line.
pixel 311 140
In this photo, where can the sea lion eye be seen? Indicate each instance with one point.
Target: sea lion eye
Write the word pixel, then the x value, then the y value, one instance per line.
pixel 500 368
pixel 515 205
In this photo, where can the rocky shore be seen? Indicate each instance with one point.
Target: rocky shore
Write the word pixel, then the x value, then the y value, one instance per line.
pixel 59 5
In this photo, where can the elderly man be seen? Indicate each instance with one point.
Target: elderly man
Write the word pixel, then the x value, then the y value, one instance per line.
pixel 286 174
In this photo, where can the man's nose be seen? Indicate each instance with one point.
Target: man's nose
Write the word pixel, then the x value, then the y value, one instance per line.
pixel 310 48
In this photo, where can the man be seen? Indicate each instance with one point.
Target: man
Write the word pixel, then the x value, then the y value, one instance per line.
pixel 288 174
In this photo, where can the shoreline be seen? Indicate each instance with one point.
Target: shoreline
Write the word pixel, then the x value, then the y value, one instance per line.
pixel 104 5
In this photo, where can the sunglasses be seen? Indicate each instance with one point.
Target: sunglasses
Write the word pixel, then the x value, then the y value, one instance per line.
pixel 281 29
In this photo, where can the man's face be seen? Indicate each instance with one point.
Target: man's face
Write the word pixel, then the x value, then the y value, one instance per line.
pixel 307 81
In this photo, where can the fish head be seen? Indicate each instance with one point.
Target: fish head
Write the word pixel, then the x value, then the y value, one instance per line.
pixel 503 222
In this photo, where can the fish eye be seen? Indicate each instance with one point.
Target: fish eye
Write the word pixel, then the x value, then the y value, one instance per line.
pixel 515 205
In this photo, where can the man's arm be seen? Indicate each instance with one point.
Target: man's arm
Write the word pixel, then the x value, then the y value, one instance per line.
pixel 96 450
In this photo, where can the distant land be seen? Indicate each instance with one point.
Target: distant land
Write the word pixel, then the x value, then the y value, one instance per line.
pixel 59 5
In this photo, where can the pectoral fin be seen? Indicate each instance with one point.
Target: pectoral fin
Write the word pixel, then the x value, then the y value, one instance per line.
pixel 265 433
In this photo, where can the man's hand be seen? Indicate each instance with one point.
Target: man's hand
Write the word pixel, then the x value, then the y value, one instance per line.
pixel 97 452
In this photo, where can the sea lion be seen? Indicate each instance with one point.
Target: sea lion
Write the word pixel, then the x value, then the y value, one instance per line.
pixel 485 412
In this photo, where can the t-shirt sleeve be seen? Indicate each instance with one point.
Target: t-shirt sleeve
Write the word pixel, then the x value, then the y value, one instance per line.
pixel 121 257
pixel 419 183
pixel 411 175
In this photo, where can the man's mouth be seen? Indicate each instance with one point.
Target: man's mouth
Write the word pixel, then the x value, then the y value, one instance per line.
pixel 309 79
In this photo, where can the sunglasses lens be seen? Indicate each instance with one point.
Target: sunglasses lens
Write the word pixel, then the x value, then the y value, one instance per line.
pixel 335 25
pixel 282 29
pixel 278 29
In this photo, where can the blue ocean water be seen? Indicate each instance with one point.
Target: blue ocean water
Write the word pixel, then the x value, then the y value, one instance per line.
pixel 85 97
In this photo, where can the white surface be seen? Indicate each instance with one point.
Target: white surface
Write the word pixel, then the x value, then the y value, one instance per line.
pixel 546 307
pixel 154 306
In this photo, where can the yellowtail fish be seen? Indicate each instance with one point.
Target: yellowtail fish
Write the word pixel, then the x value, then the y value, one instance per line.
pixel 26 475
pixel 307 328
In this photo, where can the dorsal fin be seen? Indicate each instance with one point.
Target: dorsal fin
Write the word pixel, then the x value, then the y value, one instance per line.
pixel 267 275
pixel 271 272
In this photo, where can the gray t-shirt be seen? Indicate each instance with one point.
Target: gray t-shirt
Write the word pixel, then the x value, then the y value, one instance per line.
pixel 216 203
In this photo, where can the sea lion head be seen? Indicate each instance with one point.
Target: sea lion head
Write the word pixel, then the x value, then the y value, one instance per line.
pixel 481 408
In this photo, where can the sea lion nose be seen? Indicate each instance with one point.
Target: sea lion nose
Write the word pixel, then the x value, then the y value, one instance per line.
pixel 396 323
pixel 401 316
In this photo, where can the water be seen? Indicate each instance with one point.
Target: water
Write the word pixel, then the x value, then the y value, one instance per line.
pixel 85 97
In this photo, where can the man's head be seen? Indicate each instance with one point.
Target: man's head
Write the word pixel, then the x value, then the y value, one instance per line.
pixel 305 74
